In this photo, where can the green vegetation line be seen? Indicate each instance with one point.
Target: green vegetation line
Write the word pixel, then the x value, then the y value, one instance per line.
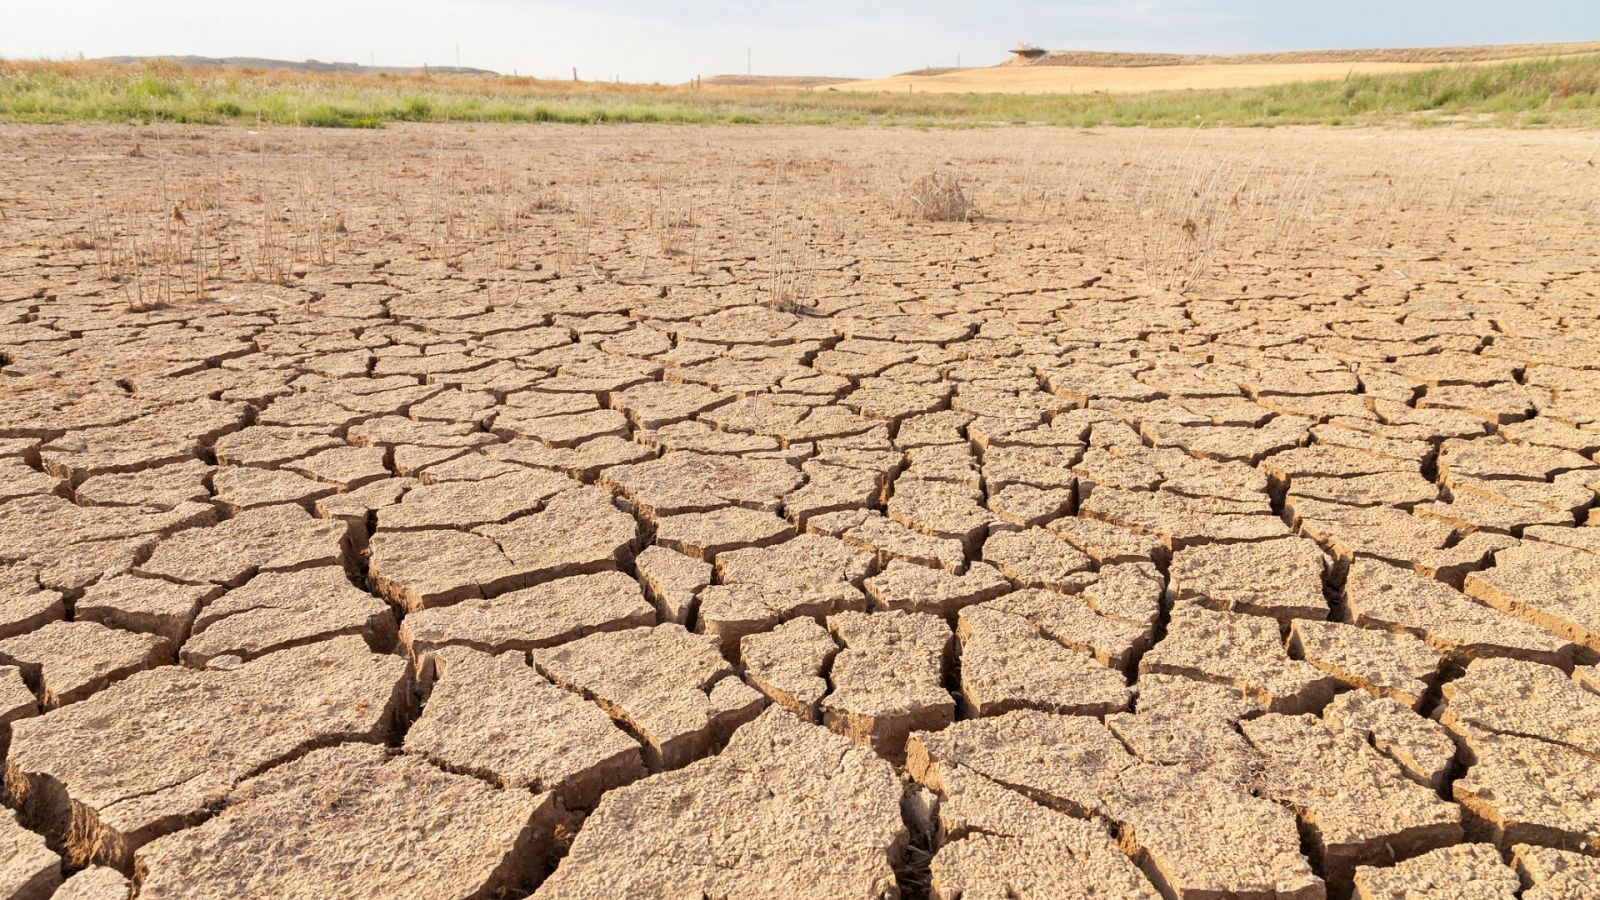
pixel 1557 91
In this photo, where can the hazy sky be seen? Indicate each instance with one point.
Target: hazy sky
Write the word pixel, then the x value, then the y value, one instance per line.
pixel 673 42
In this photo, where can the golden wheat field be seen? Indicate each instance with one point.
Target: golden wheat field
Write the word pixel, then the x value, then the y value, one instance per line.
pixel 1127 80
pixel 496 511
pixel 1067 72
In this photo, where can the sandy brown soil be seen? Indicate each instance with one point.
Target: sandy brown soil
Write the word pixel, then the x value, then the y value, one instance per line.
pixel 646 512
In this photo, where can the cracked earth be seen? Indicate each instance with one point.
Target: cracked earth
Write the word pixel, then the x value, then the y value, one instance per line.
pixel 642 512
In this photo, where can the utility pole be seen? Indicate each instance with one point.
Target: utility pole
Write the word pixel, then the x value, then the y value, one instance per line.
pixel 747 69
pixel 458 56
pixel 958 59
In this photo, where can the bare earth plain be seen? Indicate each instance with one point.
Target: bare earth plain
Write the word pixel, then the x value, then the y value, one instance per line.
pixel 650 512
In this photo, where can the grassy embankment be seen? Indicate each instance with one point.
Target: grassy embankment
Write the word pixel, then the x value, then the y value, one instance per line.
pixel 1562 91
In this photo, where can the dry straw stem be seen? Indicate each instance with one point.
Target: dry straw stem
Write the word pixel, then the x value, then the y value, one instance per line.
pixel 935 197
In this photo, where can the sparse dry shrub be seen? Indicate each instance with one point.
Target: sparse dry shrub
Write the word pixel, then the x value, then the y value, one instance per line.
pixel 791 262
pixel 935 197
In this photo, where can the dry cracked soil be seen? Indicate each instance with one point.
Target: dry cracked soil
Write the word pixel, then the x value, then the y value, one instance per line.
pixel 654 512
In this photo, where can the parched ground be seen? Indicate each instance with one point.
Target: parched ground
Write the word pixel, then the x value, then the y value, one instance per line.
pixel 461 512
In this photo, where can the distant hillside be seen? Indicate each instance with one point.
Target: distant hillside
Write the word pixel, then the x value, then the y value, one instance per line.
pixel 775 80
pixel 1036 71
pixel 1430 55
pixel 310 65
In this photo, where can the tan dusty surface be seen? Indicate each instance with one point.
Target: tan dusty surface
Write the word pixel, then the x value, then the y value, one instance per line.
pixel 650 512
pixel 1069 79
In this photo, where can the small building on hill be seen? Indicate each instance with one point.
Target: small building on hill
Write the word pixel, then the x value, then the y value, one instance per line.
pixel 1024 52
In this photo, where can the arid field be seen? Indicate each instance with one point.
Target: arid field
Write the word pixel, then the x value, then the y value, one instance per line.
pixel 463 511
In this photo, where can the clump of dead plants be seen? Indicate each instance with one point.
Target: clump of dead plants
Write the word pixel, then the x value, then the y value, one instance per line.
pixel 935 197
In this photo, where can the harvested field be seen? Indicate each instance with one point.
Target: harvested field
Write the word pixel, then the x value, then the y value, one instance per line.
pixel 476 511
pixel 1435 55
pixel 1070 72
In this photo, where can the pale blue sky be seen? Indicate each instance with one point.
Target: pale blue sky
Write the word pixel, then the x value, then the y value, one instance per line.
pixel 673 42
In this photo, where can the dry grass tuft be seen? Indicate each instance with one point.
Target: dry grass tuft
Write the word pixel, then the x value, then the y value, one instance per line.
pixel 935 197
